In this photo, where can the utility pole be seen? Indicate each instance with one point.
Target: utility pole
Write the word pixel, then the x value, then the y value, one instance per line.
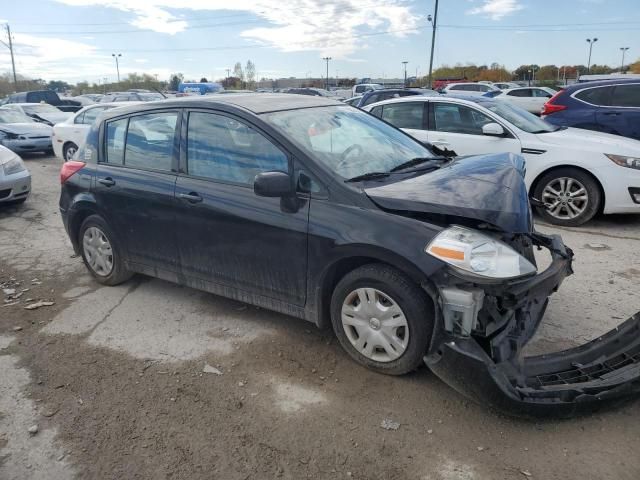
pixel 114 55
pixel 10 47
pixel 404 85
pixel 434 23
pixel 623 49
pixel 326 59
pixel 591 42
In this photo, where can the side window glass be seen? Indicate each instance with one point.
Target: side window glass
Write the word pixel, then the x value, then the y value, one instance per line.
pixel 595 96
pixel 377 111
pixel 150 140
pixel 80 118
pixel 458 119
pixel 404 115
pixel 626 96
pixel 91 114
pixel 115 135
pixel 222 148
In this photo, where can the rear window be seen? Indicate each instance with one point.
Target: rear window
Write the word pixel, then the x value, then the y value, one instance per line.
pixel 595 96
pixel 626 96
pixel 37 97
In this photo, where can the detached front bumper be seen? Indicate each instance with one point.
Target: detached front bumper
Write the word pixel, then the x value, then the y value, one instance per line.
pixel 487 365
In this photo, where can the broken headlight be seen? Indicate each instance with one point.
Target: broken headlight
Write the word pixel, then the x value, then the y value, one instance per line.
pixel 479 254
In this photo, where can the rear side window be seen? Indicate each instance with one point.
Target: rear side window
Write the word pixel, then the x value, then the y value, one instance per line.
pixel 150 140
pixel 595 96
pixel 115 134
pixel 405 115
pixel 626 96
pixel 377 111
pixel 525 92
pixel 90 115
pixel 222 148
pixel 79 118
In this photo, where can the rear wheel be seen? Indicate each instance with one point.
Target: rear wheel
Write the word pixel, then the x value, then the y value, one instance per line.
pixel 69 150
pixel 571 196
pixel 101 252
pixel 382 319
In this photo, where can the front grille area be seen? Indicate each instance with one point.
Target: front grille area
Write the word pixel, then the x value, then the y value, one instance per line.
pixel 5 193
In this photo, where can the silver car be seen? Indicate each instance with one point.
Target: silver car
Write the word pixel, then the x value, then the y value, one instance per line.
pixel 21 134
pixel 15 179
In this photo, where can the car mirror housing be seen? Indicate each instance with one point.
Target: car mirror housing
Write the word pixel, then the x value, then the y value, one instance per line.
pixel 272 184
pixel 493 130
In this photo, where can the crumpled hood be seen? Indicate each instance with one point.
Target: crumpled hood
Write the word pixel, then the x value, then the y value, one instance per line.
pixel 488 188
pixel 38 129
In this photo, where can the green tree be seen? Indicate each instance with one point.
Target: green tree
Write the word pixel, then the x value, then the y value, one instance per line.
pixel 175 80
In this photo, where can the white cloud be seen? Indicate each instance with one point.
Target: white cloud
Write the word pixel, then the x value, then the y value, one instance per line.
pixel 496 9
pixel 296 25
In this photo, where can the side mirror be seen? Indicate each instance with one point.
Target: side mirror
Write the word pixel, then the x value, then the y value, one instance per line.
pixel 272 184
pixel 493 130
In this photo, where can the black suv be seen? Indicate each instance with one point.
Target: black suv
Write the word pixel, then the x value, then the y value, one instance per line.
pixel 45 96
pixel 312 208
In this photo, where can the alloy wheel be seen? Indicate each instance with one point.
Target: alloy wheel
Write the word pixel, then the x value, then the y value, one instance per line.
pixel 70 151
pixel 565 198
pixel 97 251
pixel 375 324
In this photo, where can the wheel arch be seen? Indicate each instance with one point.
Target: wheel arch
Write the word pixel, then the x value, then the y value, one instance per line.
pixel 536 181
pixel 66 144
pixel 80 211
pixel 349 261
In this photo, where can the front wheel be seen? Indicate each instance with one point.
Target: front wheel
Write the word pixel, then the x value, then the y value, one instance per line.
pixel 382 319
pixel 571 197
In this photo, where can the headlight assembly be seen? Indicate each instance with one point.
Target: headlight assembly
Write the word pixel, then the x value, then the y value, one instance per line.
pixel 14 165
pixel 624 160
pixel 476 253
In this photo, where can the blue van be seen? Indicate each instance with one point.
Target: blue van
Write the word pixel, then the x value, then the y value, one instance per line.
pixel 199 87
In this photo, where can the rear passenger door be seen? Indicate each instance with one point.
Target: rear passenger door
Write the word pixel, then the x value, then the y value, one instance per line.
pixel 135 182
pixel 229 236
pixel 622 117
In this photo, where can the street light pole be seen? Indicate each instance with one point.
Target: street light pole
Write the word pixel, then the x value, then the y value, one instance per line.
pixel 434 23
pixel 405 73
pixel 623 49
pixel 591 42
pixel 326 59
pixel 114 55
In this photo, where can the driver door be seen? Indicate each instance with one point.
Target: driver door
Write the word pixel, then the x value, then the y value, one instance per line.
pixel 458 127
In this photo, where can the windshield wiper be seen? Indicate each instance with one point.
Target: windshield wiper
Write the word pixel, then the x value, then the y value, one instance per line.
pixel 417 161
pixel 368 176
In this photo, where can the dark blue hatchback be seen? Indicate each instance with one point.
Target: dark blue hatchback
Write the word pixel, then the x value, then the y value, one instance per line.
pixel 611 106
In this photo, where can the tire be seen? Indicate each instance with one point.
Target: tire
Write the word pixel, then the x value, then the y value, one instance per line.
pixel 392 287
pixel 117 273
pixel 577 180
pixel 68 151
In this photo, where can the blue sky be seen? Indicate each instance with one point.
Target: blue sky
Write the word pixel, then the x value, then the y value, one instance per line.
pixel 73 39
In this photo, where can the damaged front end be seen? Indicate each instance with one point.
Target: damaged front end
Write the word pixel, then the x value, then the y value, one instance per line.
pixel 483 325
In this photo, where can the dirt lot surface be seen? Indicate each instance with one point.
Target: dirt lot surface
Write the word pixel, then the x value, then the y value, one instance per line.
pixel 114 379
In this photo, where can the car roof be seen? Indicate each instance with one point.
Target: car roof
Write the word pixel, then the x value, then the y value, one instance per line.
pixel 462 99
pixel 27 104
pixel 602 83
pixel 255 103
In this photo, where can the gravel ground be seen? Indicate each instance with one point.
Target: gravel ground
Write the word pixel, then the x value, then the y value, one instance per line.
pixel 152 380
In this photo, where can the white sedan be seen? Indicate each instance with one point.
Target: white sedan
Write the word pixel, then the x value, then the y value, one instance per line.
pixel 70 135
pixel 576 173
pixel 531 99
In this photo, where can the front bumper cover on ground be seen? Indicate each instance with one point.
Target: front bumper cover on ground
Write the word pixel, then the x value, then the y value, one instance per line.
pixel 493 371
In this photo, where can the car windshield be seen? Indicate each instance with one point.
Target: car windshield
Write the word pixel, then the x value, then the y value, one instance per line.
pixel 8 116
pixel 520 118
pixel 40 108
pixel 348 141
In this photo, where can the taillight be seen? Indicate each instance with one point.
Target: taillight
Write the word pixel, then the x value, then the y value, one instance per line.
pixel 68 169
pixel 551 107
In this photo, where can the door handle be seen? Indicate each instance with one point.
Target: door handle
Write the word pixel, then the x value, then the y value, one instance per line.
pixel 107 182
pixel 613 114
pixel 191 197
